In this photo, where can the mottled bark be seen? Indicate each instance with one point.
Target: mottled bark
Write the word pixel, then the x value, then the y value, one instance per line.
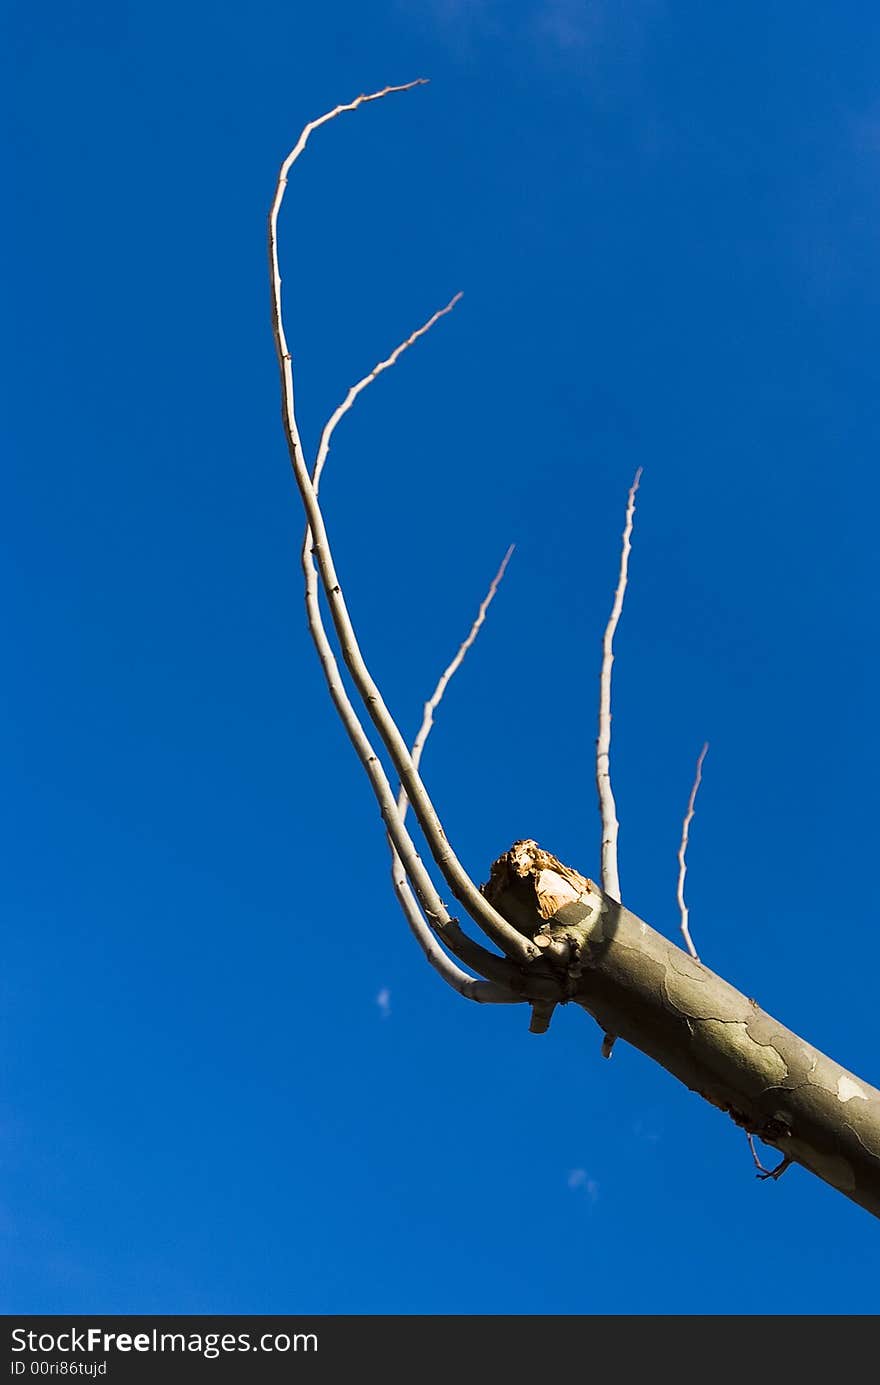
pixel 720 1043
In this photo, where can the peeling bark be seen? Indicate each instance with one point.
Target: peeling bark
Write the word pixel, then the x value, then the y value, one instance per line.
pixel 640 986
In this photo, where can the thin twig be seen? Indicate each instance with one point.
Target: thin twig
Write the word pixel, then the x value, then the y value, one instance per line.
pixel 607 807
pixel 682 852
pixel 489 920
pixel 436 697
pixel 764 1173
pixel 330 426
pixel 322 120
pixel 610 874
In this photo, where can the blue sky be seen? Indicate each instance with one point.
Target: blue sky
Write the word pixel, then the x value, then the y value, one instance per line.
pixel 232 1084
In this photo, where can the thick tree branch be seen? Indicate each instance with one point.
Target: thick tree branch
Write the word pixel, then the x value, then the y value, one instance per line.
pixel 718 1042
pixel 464 889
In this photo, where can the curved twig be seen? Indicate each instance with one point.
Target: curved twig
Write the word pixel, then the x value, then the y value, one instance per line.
pixel 488 919
pixel 436 697
pixel 682 852
pixel 330 426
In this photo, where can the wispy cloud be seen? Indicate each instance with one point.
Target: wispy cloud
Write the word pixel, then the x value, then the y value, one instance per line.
pixel 460 23
pixel 561 26
pixel 383 1000
pixel 569 24
pixel 579 1181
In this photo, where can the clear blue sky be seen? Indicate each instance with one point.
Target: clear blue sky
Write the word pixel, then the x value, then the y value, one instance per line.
pixel 665 218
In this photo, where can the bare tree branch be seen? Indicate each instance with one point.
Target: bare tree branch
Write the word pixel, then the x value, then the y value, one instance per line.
pixel 382 789
pixel 486 962
pixel 489 920
pixel 610 826
pixel 610 875
pixel 322 120
pixel 408 902
pixel 763 1173
pixel 459 980
pixel 682 852
pixel 634 982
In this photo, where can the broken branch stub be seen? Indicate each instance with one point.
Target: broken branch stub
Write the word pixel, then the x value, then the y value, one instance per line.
pixel 718 1042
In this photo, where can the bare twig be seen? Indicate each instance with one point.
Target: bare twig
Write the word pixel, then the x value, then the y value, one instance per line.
pixel 330 426
pixel 607 807
pixel 497 928
pixel 763 1173
pixel 322 120
pixel 682 852
pixel 436 697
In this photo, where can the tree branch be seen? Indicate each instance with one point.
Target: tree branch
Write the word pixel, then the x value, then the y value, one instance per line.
pixel 464 889
pixel 591 950
pixel 313 125
pixel 406 899
pixel 403 846
pixel 718 1042
pixel 483 961
pixel 459 980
